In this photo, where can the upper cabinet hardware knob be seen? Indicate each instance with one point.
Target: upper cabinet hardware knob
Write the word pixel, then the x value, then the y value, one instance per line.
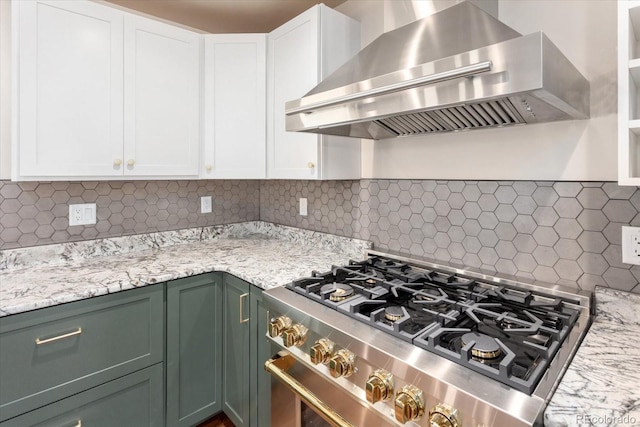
pixel 117 162
pixel 131 162
pixel 208 168
pixel 311 165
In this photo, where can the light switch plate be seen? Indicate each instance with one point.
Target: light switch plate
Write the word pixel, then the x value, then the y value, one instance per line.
pixel 631 245
pixel 303 206
pixel 206 204
pixel 82 214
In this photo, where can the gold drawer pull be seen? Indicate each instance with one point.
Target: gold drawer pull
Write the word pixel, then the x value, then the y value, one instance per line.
pixel 60 337
pixel 242 319
pixel 78 424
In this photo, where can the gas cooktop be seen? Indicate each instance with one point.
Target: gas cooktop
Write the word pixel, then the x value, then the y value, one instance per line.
pixel 506 333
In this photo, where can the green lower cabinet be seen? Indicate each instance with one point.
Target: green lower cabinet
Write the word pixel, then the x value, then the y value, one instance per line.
pixel 246 385
pixel 236 350
pixel 133 400
pixel 260 414
pixel 194 353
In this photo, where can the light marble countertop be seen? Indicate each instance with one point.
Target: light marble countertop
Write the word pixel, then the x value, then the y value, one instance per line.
pixel 602 385
pixel 263 254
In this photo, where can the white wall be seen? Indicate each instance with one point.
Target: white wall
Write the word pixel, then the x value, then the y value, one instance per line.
pixel 585 31
pixel 5 89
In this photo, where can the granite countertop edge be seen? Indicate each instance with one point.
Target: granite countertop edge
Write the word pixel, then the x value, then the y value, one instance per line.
pixel 263 254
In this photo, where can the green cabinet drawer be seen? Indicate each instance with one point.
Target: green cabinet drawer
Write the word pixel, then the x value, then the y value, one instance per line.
pixel 133 400
pixel 49 354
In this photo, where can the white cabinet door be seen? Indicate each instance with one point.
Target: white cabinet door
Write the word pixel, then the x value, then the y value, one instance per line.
pixel 293 70
pixel 234 108
pixel 161 99
pixel 69 90
pixel 301 53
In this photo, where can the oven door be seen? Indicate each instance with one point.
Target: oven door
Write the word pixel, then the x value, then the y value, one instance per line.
pixel 302 398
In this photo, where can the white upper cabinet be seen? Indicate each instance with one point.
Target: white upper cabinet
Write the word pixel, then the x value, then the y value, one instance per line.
pixel 301 53
pixel 629 92
pixel 103 94
pixel 69 96
pixel 161 98
pixel 234 106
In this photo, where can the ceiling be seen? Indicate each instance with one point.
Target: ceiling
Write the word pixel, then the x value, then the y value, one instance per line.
pixel 225 16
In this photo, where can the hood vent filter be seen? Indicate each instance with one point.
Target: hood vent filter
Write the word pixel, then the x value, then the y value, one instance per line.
pixel 467 116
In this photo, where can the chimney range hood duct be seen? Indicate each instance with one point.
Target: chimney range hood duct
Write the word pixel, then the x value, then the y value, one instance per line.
pixel 457 69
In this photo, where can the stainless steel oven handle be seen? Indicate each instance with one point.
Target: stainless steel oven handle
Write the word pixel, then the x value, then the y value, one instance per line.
pixel 278 365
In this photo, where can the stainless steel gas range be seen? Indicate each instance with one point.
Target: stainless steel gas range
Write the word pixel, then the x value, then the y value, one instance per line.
pixel 395 341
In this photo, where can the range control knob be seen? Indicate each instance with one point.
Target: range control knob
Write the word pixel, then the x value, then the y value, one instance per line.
pixel 379 386
pixel 443 415
pixel 294 336
pixel 321 351
pixel 278 325
pixel 409 404
pixel 342 364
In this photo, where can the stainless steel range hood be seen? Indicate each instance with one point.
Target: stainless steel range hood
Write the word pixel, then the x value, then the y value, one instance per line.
pixel 457 69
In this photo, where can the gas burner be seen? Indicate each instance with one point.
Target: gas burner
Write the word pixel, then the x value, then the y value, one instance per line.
pixel 485 346
pixel 393 313
pixel 337 291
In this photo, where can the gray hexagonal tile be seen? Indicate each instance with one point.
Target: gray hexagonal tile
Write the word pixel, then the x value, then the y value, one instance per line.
pixel 545 255
pixel 568 249
pixel 593 241
pixel 619 210
pixel 615 191
pixel 567 189
pixel 545 236
pixel 506 249
pixel 442 223
pixel 592 220
pixel 506 266
pixel 456 217
pixel 568 228
pixel 456 234
pixel 429 214
pixel 471 244
pixel 487 202
pixel 505 194
pixel 471 227
pixel 505 213
pixel 622 278
pixel 471 192
pixel 488 256
pixel 524 188
pixel 442 192
pixel 545 196
pixel 488 238
pixel 567 207
pixel 488 220
pixel 524 224
pixel 545 215
pixel 592 198
pixel 456 186
pixel 505 231
pixel 456 200
pixel 524 205
pixel 545 274
pixel 524 243
pixel 472 209
pixel 593 263
pixel 442 208
pixel 487 187
pixel 613 255
pixel 525 262
pixel 568 269
pixel 471 260
pixel 456 250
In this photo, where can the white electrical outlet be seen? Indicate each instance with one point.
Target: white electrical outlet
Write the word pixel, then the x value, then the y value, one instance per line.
pixel 303 206
pixel 82 214
pixel 631 245
pixel 206 204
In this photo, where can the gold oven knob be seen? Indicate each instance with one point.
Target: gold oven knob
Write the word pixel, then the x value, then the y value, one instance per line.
pixel 294 336
pixel 379 386
pixel 278 325
pixel 321 351
pixel 342 364
pixel 443 415
pixel 409 404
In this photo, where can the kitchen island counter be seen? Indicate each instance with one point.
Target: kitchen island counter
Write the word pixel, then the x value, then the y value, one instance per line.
pixel 263 254
pixel 602 385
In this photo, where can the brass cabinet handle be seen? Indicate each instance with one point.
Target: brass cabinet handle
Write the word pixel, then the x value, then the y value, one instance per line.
pixel 242 319
pixel 78 424
pixel 59 337
pixel 278 365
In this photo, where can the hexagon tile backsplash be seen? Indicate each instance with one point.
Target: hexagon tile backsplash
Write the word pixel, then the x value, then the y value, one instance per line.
pixel 557 232
pixel 37 213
